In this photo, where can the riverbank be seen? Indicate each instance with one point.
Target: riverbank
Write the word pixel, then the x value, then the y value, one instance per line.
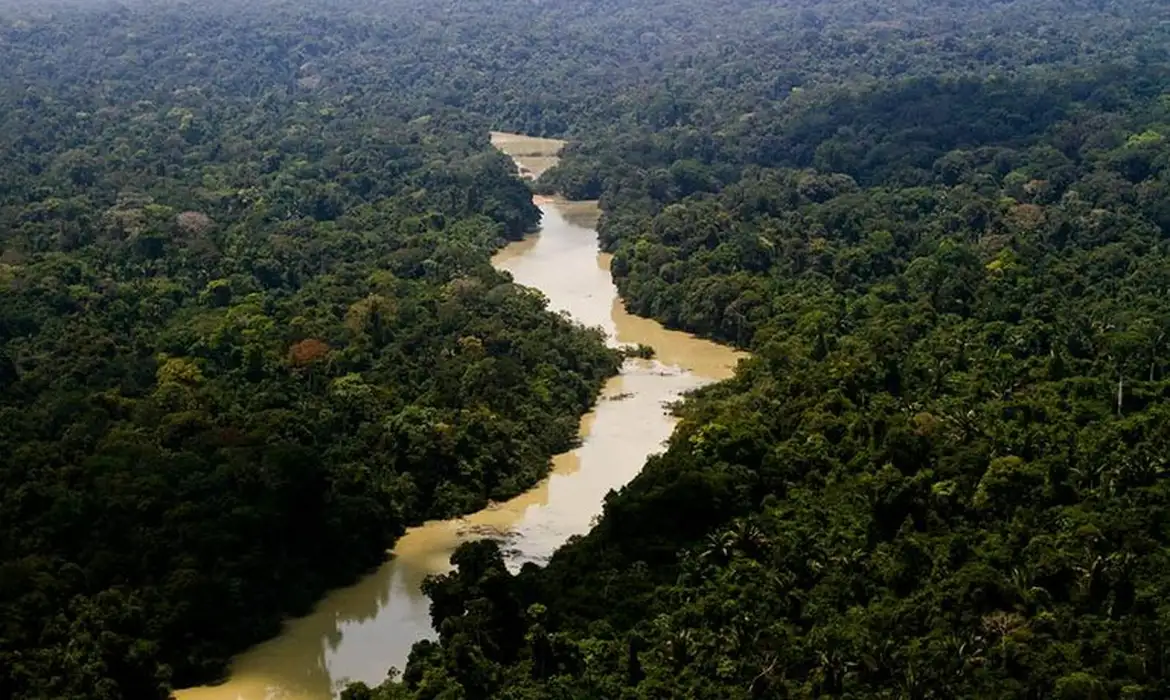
pixel 357 633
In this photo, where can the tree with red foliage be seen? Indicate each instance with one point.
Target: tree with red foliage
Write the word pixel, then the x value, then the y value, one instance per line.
pixel 307 352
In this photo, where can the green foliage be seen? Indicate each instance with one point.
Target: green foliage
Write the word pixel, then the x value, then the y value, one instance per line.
pixel 248 333
pixel 942 473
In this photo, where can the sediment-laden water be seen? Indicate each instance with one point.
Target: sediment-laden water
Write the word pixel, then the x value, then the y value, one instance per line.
pixel 357 633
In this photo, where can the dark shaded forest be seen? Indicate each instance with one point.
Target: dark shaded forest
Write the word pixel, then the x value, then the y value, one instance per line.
pixel 248 332
pixel 943 475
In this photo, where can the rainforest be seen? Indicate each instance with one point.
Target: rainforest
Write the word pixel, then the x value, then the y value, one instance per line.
pixel 250 333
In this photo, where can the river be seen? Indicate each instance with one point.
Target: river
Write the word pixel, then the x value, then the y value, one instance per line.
pixel 357 633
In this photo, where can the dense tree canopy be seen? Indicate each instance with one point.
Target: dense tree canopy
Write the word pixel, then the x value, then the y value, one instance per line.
pixel 244 340
pixel 943 474
pixel 248 331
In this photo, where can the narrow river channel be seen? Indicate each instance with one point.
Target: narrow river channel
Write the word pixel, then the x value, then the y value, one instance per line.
pixel 357 633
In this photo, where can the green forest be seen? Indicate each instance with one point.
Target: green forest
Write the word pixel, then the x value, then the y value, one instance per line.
pixel 249 332
pixel 247 338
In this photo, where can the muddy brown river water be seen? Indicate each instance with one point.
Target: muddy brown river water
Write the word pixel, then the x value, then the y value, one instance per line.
pixel 357 633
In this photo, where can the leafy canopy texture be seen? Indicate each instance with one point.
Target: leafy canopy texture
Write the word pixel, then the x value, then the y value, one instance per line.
pixel 943 474
pixel 248 332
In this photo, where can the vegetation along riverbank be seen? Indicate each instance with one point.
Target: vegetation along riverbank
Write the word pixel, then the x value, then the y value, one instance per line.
pixel 250 331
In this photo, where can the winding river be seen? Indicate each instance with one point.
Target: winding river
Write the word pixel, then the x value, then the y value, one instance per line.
pixel 357 633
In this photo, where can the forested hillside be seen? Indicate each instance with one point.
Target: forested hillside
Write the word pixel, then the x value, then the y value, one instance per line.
pixel 944 473
pixel 248 332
